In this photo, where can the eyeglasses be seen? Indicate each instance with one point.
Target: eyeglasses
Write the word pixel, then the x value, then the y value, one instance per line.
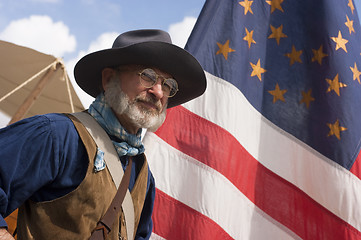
pixel 148 78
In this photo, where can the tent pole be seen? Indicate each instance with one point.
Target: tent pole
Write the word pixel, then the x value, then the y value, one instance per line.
pixel 29 101
pixel 67 81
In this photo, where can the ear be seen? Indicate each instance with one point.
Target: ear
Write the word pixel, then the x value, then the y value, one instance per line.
pixel 107 74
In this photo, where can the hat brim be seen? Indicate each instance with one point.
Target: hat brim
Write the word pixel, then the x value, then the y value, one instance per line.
pixel 169 58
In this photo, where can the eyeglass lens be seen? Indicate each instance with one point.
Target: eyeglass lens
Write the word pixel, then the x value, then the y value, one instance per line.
pixel 149 78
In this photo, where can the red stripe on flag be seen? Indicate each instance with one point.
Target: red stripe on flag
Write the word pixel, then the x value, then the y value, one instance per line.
pixel 175 220
pixel 284 202
pixel 356 167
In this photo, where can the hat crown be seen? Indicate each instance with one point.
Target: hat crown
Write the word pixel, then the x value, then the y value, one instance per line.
pixel 140 36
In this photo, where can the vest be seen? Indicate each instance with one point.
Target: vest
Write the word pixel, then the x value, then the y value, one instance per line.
pixel 75 215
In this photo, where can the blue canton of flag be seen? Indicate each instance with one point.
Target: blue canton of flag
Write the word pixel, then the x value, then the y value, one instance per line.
pixel 297 63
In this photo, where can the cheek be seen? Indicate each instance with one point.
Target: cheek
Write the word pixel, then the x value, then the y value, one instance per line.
pixel 131 88
pixel 164 101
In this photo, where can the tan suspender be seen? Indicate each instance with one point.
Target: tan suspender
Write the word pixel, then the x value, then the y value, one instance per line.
pixel 103 141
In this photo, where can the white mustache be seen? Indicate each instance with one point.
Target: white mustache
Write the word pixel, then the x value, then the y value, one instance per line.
pixel 151 100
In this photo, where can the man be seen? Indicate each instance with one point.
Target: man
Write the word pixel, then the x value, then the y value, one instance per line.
pixel 51 168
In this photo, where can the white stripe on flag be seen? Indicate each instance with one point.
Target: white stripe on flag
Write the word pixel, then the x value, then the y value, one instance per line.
pixel 209 192
pixel 156 237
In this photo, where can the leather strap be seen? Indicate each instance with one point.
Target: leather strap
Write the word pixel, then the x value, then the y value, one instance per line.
pixel 103 142
pixel 114 166
pixel 105 224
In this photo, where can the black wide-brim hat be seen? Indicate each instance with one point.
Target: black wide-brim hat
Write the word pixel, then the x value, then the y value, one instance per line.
pixel 151 48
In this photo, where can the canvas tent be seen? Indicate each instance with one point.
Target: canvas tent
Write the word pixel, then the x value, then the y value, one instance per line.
pixel 33 83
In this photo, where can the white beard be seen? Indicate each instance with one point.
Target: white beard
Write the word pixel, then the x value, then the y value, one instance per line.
pixel 140 117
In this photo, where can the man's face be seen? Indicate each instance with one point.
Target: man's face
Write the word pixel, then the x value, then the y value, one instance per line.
pixel 131 86
pixel 131 101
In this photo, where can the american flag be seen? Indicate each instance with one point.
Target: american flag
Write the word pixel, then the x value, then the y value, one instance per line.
pixel 272 149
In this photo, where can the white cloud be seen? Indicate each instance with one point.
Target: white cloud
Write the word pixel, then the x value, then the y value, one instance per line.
pixel 180 32
pixel 41 34
pixel 104 41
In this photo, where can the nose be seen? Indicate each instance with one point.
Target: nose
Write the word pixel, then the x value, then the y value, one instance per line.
pixel 157 90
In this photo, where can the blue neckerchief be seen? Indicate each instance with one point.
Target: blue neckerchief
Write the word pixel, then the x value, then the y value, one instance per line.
pixel 126 144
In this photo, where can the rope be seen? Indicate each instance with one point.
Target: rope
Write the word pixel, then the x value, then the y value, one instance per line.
pixel 53 64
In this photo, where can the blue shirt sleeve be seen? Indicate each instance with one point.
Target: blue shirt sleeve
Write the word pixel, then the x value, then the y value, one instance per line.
pixel 3 224
pixel 39 159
